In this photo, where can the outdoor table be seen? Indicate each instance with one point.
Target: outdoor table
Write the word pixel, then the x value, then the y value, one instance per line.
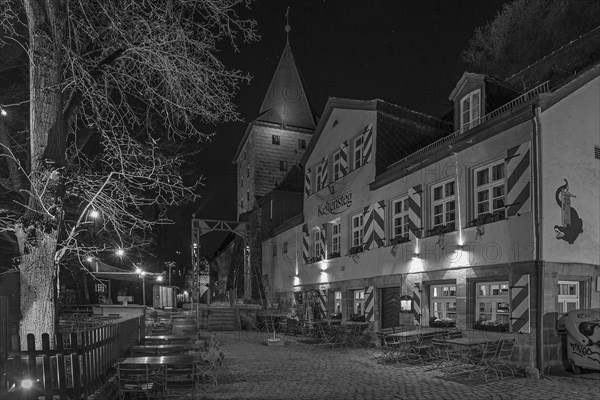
pixel 331 321
pixel 167 339
pixel 157 349
pixel 173 372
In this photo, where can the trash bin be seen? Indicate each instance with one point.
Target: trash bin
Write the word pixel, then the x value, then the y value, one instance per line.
pixel 582 328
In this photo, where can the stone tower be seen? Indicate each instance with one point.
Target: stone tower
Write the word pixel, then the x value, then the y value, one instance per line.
pixel 277 138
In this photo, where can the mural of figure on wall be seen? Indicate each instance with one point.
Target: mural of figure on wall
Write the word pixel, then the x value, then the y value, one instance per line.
pixel 572 225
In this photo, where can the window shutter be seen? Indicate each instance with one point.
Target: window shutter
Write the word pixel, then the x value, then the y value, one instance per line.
pixel 415 211
pixel 367 143
pixel 369 303
pixel 518 179
pixel 520 304
pixel 307 183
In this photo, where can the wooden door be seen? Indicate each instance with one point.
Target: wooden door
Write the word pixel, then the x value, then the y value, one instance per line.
pixel 390 307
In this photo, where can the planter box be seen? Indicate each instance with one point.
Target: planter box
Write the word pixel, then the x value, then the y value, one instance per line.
pixel 492 328
pixel 442 324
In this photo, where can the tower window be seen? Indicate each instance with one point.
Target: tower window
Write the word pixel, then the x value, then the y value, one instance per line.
pixel 301 144
pixel 275 139
pixel 283 165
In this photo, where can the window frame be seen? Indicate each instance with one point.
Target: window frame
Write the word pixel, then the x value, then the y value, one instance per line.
pixel 489 187
pixel 317 250
pixel 337 165
pixel 563 299
pixel 336 238
pixel 338 304
pixel 358 301
pixel 493 299
pixel 402 215
pixel 443 201
pixel 469 96
pixel 446 298
pixel 276 139
pixel 358 229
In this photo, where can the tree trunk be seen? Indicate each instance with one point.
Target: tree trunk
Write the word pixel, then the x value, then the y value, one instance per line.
pixel 37 273
pixel 38 230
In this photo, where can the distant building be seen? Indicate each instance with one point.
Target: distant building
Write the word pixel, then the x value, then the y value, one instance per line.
pixel 489 224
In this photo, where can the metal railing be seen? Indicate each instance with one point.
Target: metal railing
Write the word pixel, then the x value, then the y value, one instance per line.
pixel 541 88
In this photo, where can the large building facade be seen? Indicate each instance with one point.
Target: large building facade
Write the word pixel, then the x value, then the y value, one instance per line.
pixel 491 223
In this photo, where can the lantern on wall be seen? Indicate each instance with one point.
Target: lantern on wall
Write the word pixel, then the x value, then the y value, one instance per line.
pixel 406 304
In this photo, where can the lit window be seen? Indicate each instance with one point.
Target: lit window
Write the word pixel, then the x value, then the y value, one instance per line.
pixel 492 303
pixel 337 298
pixel 443 206
pixel 357 230
pixel 336 238
pixel 301 144
pixel 337 166
pixel 470 108
pixel 568 296
pixel 283 165
pixel 443 301
pixel 358 152
pixel 319 176
pixel 359 302
pixel 275 139
pixel 285 247
pixel 400 218
pixel 274 250
pixel 489 189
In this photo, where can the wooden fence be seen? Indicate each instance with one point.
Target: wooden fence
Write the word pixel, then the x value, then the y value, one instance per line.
pixel 74 366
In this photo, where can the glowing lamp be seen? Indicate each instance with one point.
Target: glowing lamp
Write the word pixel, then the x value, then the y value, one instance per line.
pixel 406 304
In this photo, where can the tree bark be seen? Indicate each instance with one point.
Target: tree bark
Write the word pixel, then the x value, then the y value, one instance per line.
pixel 38 230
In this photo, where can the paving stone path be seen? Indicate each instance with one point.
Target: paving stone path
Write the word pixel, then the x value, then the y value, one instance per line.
pixel 253 370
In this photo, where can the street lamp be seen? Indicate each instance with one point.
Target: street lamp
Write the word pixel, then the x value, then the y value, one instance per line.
pixel 142 274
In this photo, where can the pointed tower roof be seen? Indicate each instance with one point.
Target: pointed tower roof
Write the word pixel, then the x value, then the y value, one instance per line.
pixel 286 103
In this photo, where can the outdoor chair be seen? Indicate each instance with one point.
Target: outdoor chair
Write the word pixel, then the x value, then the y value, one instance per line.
pixel 423 349
pixel 291 327
pixel 139 380
pixel 479 362
pixel 501 363
pixel 388 345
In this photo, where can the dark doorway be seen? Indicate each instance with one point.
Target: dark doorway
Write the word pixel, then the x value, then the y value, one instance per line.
pixel 390 307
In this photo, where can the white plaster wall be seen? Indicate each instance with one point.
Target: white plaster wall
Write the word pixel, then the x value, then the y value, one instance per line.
pixel 570 130
pixel 505 241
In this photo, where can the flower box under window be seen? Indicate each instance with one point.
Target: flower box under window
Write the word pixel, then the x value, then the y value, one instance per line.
pixel 333 255
pixel 442 323
pixel 356 249
pixel 399 239
pixel 494 326
pixel 313 260
pixel 441 229
pixel 487 218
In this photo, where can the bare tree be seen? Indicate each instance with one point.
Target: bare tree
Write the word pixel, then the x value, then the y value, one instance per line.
pixel 117 92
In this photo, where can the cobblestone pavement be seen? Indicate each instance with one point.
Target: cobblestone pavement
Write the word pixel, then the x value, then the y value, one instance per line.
pixel 253 370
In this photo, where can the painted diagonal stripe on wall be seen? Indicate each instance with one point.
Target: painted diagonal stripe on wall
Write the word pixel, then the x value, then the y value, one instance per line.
pixel 323 302
pixel 417 305
pixel 519 303
pixel 305 248
pixel 324 174
pixel 368 143
pixel 344 158
pixel 367 226
pixel 307 182
pixel 369 303
pixel 378 217
pixel 518 182
pixel 323 239
pixel 415 212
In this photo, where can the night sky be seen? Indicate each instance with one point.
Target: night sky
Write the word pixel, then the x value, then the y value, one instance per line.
pixel 404 52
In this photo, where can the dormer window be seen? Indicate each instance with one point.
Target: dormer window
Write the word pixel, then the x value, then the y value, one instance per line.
pixel 470 109
pixel 337 166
